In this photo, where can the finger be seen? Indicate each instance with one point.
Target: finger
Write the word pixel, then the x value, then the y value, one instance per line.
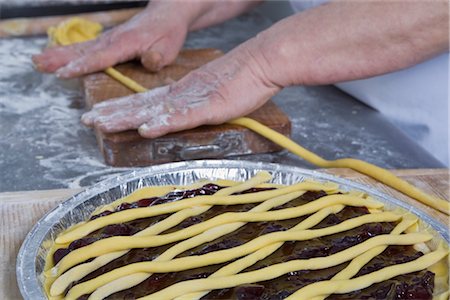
pixel 127 119
pixel 119 121
pixel 106 111
pixel 93 62
pixel 54 58
pixel 163 52
pixel 86 64
pixel 110 107
pixel 124 103
pixel 162 124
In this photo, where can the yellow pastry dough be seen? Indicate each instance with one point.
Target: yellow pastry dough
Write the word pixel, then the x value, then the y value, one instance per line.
pixel 251 259
pixel 216 257
pixel 77 30
pixel 74 30
pixel 122 242
pixel 139 213
pixel 360 261
pixel 82 270
pixel 230 269
pixel 277 270
pixel 363 167
pixel 344 286
pixel 105 250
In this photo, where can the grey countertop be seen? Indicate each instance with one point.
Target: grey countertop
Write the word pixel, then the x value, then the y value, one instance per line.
pixel 44 146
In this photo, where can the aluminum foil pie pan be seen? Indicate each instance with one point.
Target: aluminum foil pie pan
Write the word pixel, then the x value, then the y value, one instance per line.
pixel 32 254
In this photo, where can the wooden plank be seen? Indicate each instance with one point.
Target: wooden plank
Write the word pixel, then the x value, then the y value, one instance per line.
pixel 130 149
pixel 21 210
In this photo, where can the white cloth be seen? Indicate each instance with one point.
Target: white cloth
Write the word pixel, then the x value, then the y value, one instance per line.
pixel 416 99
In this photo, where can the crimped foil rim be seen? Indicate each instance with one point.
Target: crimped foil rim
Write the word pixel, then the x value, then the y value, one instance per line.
pixel 26 268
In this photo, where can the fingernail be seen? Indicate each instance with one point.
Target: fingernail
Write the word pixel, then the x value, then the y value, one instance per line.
pixel 62 73
pixel 144 127
pixel 149 131
pixel 145 131
pixel 87 119
pixel 37 65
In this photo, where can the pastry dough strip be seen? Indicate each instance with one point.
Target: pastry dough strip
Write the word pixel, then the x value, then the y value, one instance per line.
pixel 279 269
pixel 134 279
pixel 159 227
pixel 159 191
pixel 262 253
pixel 138 213
pixel 360 261
pixel 76 273
pixel 380 174
pixel 220 256
pixel 142 193
pixel 117 243
pixel 328 287
pixel 88 30
pixel 207 236
pixel 82 270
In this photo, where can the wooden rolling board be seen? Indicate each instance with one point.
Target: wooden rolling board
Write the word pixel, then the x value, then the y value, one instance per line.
pixel 19 211
pixel 129 149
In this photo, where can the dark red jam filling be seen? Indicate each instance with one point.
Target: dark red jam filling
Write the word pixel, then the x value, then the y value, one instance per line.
pixel 417 285
pixel 129 229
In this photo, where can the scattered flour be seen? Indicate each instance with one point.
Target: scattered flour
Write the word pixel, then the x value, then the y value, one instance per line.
pixel 43 144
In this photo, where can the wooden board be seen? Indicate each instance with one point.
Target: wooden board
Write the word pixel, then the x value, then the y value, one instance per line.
pixel 129 149
pixel 19 211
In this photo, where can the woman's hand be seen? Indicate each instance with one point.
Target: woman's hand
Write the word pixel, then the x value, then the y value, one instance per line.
pixel 320 46
pixel 148 35
pixel 155 35
pixel 230 86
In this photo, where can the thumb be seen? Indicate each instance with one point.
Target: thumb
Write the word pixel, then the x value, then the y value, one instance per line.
pixel 162 53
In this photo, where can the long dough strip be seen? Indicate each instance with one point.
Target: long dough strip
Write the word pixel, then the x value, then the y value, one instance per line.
pixel 82 270
pixel 60 285
pixel 159 191
pixel 328 287
pixel 380 174
pixel 220 256
pixel 195 241
pixel 280 269
pixel 142 193
pixel 360 261
pixel 160 209
pixel 249 260
pixel 124 242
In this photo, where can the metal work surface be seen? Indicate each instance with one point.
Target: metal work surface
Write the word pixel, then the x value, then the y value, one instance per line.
pixel 44 146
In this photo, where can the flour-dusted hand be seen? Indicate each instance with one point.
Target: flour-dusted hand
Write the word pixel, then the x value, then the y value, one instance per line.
pixel 155 35
pixel 229 87
pixel 152 34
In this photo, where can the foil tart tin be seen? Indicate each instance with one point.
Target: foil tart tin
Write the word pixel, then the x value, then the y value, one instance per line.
pixel 33 252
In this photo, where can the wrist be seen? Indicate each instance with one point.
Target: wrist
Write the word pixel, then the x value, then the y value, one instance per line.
pixel 185 12
pixel 270 50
